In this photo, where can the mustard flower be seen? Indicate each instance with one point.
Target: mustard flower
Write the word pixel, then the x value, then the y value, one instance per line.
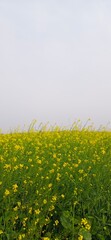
pixel 7 192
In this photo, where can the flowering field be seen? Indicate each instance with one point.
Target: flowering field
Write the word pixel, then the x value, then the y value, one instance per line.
pixel 55 185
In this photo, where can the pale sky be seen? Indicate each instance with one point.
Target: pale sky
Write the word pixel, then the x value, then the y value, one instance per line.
pixel 55 62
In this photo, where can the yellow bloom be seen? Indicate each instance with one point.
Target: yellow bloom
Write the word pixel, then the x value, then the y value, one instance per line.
pixel 87 226
pixel 7 167
pixel 1 232
pixel 51 171
pixel 37 220
pixel 44 201
pixel 16 167
pixel 21 165
pixel 37 211
pixel 54 155
pixel 56 222
pixel 80 237
pixel 15 186
pixel 19 204
pixel 30 160
pixel 17 147
pixel 15 208
pixel 21 236
pixel 54 198
pixel 50 185
pixel 45 238
pixel 25 181
pixel 30 210
pixel 7 192
pixel 81 171
pixel 39 161
pixel 85 223
pixel 51 208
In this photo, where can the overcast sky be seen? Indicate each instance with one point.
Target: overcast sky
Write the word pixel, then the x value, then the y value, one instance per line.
pixel 55 62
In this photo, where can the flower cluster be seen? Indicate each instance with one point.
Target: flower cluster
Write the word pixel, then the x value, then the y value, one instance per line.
pixel 50 180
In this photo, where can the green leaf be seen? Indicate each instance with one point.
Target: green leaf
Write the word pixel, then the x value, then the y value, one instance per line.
pixel 66 220
pixel 101 237
pixel 86 235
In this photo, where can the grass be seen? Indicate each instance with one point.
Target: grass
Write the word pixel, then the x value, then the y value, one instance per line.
pixel 55 185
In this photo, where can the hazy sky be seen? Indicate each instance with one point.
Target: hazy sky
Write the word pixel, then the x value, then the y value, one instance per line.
pixel 55 61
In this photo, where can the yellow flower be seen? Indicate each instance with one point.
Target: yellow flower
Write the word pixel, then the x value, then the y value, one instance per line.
pixel 7 192
pixel 54 155
pixel 16 167
pixel 19 204
pixel 21 165
pixel 45 238
pixel 51 208
pixel 1 232
pixel 17 147
pixel 39 161
pixel 51 171
pixel 85 223
pixel 30 160
pixel 15 186
pixel 37 211
pixel 15 208
pixel 56 222
pixel 87 226
pixel 75 165
pixel 54 198
pixel 80 237
pixel 37 220
pixel 50 185
pixel 21 236
pixel 44 201
pixel 25 181
pixel 30 210
pixel 7 166
pixel 81 171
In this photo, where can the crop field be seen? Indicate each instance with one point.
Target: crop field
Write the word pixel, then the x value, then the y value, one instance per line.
pixel 55 185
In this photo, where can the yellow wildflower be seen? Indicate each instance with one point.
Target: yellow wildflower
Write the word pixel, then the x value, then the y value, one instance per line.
pixel 56 222
pixel 21 236
pixel 80 237
pixel 30 210
pixel 45 238
pixel 25 181
pixel 21 165
pixel 16 167
pixel 85 223
pixel 51 208
pixel 1 232
pixel 37 211
pixel 7 192
pixel 19 204
pixel 17 147
pixel 44 201
pixel 15 208
pixel 50 185
pixel 15 186
pixel 54 155
pixel 54 198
